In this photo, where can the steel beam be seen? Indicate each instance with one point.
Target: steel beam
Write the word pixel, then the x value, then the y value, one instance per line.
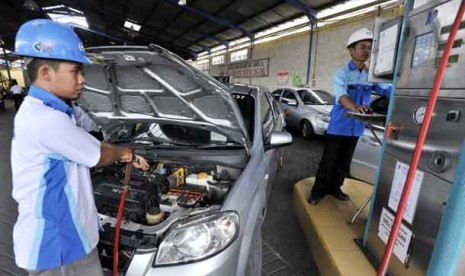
pixel 310 13
pixel 222 42
pixel 213 18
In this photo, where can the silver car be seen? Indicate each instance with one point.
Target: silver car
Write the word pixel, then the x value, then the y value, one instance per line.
pixel 366 155
pixel 305 109
pixel 214 152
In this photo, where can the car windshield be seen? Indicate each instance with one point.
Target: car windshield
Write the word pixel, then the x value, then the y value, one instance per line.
pixel 315 97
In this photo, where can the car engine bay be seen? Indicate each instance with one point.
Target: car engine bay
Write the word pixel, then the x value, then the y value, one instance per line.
pixel 156 199
pixel 161 191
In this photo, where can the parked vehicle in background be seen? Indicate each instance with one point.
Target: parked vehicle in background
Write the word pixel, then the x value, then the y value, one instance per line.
pixel 213 152
pixel 366 156
pixel 305 109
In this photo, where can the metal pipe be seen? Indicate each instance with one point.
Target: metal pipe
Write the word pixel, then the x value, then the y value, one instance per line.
pixel 419 146
pixel 316 53
pixel 310 43
pixel 361 209
pixel 7 66
pixel 252 41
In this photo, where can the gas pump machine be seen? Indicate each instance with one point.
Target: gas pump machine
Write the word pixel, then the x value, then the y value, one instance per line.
pixel 427 28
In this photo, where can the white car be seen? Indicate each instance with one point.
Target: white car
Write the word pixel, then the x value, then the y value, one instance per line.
pixel 306 110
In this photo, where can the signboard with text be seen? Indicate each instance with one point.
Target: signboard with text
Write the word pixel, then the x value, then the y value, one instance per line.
pixel 247 69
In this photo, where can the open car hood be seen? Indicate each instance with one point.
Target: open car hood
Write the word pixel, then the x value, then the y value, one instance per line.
pixel 136 84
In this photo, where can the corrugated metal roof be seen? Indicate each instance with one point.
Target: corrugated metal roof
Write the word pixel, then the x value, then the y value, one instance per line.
pixel 184 29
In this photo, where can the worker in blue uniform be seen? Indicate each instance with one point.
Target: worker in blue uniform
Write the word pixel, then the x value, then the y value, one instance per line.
pixel 56 232
pixel 352 92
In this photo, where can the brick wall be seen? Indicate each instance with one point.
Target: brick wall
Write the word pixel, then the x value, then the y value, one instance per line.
pixel 290 54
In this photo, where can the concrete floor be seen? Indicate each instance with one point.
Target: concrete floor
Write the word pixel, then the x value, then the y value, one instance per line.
pixel 281 230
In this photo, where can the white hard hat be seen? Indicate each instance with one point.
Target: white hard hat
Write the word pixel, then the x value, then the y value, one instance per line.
pixel 359 35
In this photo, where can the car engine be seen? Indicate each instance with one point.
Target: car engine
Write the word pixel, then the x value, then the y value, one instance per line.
pixel 154 195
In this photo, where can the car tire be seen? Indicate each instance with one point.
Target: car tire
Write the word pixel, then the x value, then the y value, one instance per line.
pixel 254 263
pixel 306 129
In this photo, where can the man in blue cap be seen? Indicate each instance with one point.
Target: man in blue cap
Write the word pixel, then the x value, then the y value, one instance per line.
pixel 56 232
pixel 352 92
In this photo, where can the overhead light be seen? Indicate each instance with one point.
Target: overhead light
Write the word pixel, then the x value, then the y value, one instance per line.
pixel 53 7
pixel 69 19
pixel 31 5
pixel 132 25
pixel 67 15
pixel 182 2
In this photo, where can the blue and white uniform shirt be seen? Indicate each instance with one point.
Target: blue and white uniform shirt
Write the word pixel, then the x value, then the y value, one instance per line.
pixel 353 83
pixel 50 159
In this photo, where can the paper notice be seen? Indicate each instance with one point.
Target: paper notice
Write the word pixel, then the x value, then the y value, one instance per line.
pixel 387 50
pixel 403 238
pixel 398 183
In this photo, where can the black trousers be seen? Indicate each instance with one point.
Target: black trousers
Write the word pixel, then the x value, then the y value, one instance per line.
pixel 335 164
pixel 18 98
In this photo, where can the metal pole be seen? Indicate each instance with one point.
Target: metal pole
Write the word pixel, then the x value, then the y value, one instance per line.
pixel 6 65
pixel 251 55
pixel 310 43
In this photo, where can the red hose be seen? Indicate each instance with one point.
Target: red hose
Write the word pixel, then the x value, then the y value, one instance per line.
pixel 127 179
pixel 382 269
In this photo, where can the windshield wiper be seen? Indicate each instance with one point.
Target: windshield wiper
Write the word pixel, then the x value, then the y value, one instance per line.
pixel 219 146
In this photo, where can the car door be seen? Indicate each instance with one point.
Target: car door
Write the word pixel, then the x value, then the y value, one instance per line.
pixel 365 160
pixel 290 107
pixel 271 121
pixel 277 94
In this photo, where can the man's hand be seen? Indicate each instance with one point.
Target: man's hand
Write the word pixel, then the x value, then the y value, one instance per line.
pixel 363 109
pixel 110 154
pixel 139 162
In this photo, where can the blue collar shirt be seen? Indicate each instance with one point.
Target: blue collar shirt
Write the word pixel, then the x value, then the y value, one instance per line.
pixel 353 83
pixel 50 159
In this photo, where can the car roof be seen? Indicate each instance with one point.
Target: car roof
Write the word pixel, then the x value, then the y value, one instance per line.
pixel 246 89
pixel 304 88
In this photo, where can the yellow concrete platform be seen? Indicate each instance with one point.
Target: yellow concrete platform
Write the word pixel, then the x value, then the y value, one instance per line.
pixel 329 234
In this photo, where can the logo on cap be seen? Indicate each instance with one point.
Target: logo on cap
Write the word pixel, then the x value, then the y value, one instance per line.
pixel 81 47
pixel 43 47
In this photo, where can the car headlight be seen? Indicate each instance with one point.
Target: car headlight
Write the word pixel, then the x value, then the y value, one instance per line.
pixel 323 117
pixel 198 239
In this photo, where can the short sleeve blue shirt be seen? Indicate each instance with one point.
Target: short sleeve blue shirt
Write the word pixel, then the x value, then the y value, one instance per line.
pixel 50 160
pixel 353 83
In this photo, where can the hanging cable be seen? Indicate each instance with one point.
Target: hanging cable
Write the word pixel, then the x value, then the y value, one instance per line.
pixel 382 269
pixel 127 179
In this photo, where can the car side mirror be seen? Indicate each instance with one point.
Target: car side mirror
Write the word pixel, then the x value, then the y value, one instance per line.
pixel 291 102
pixel 279 139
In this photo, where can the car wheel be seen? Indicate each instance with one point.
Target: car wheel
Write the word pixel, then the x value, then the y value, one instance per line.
pixel 306 130
pixel 254 263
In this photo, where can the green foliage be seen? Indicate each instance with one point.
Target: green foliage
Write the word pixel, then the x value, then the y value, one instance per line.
pixel 296 79
pixel 3 80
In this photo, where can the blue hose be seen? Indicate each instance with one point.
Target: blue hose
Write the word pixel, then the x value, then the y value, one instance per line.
pixel 451 237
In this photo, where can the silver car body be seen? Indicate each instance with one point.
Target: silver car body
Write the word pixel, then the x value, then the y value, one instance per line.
pixel 258 153
pixel 366 156
pixel 315 111
pixel 367 152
